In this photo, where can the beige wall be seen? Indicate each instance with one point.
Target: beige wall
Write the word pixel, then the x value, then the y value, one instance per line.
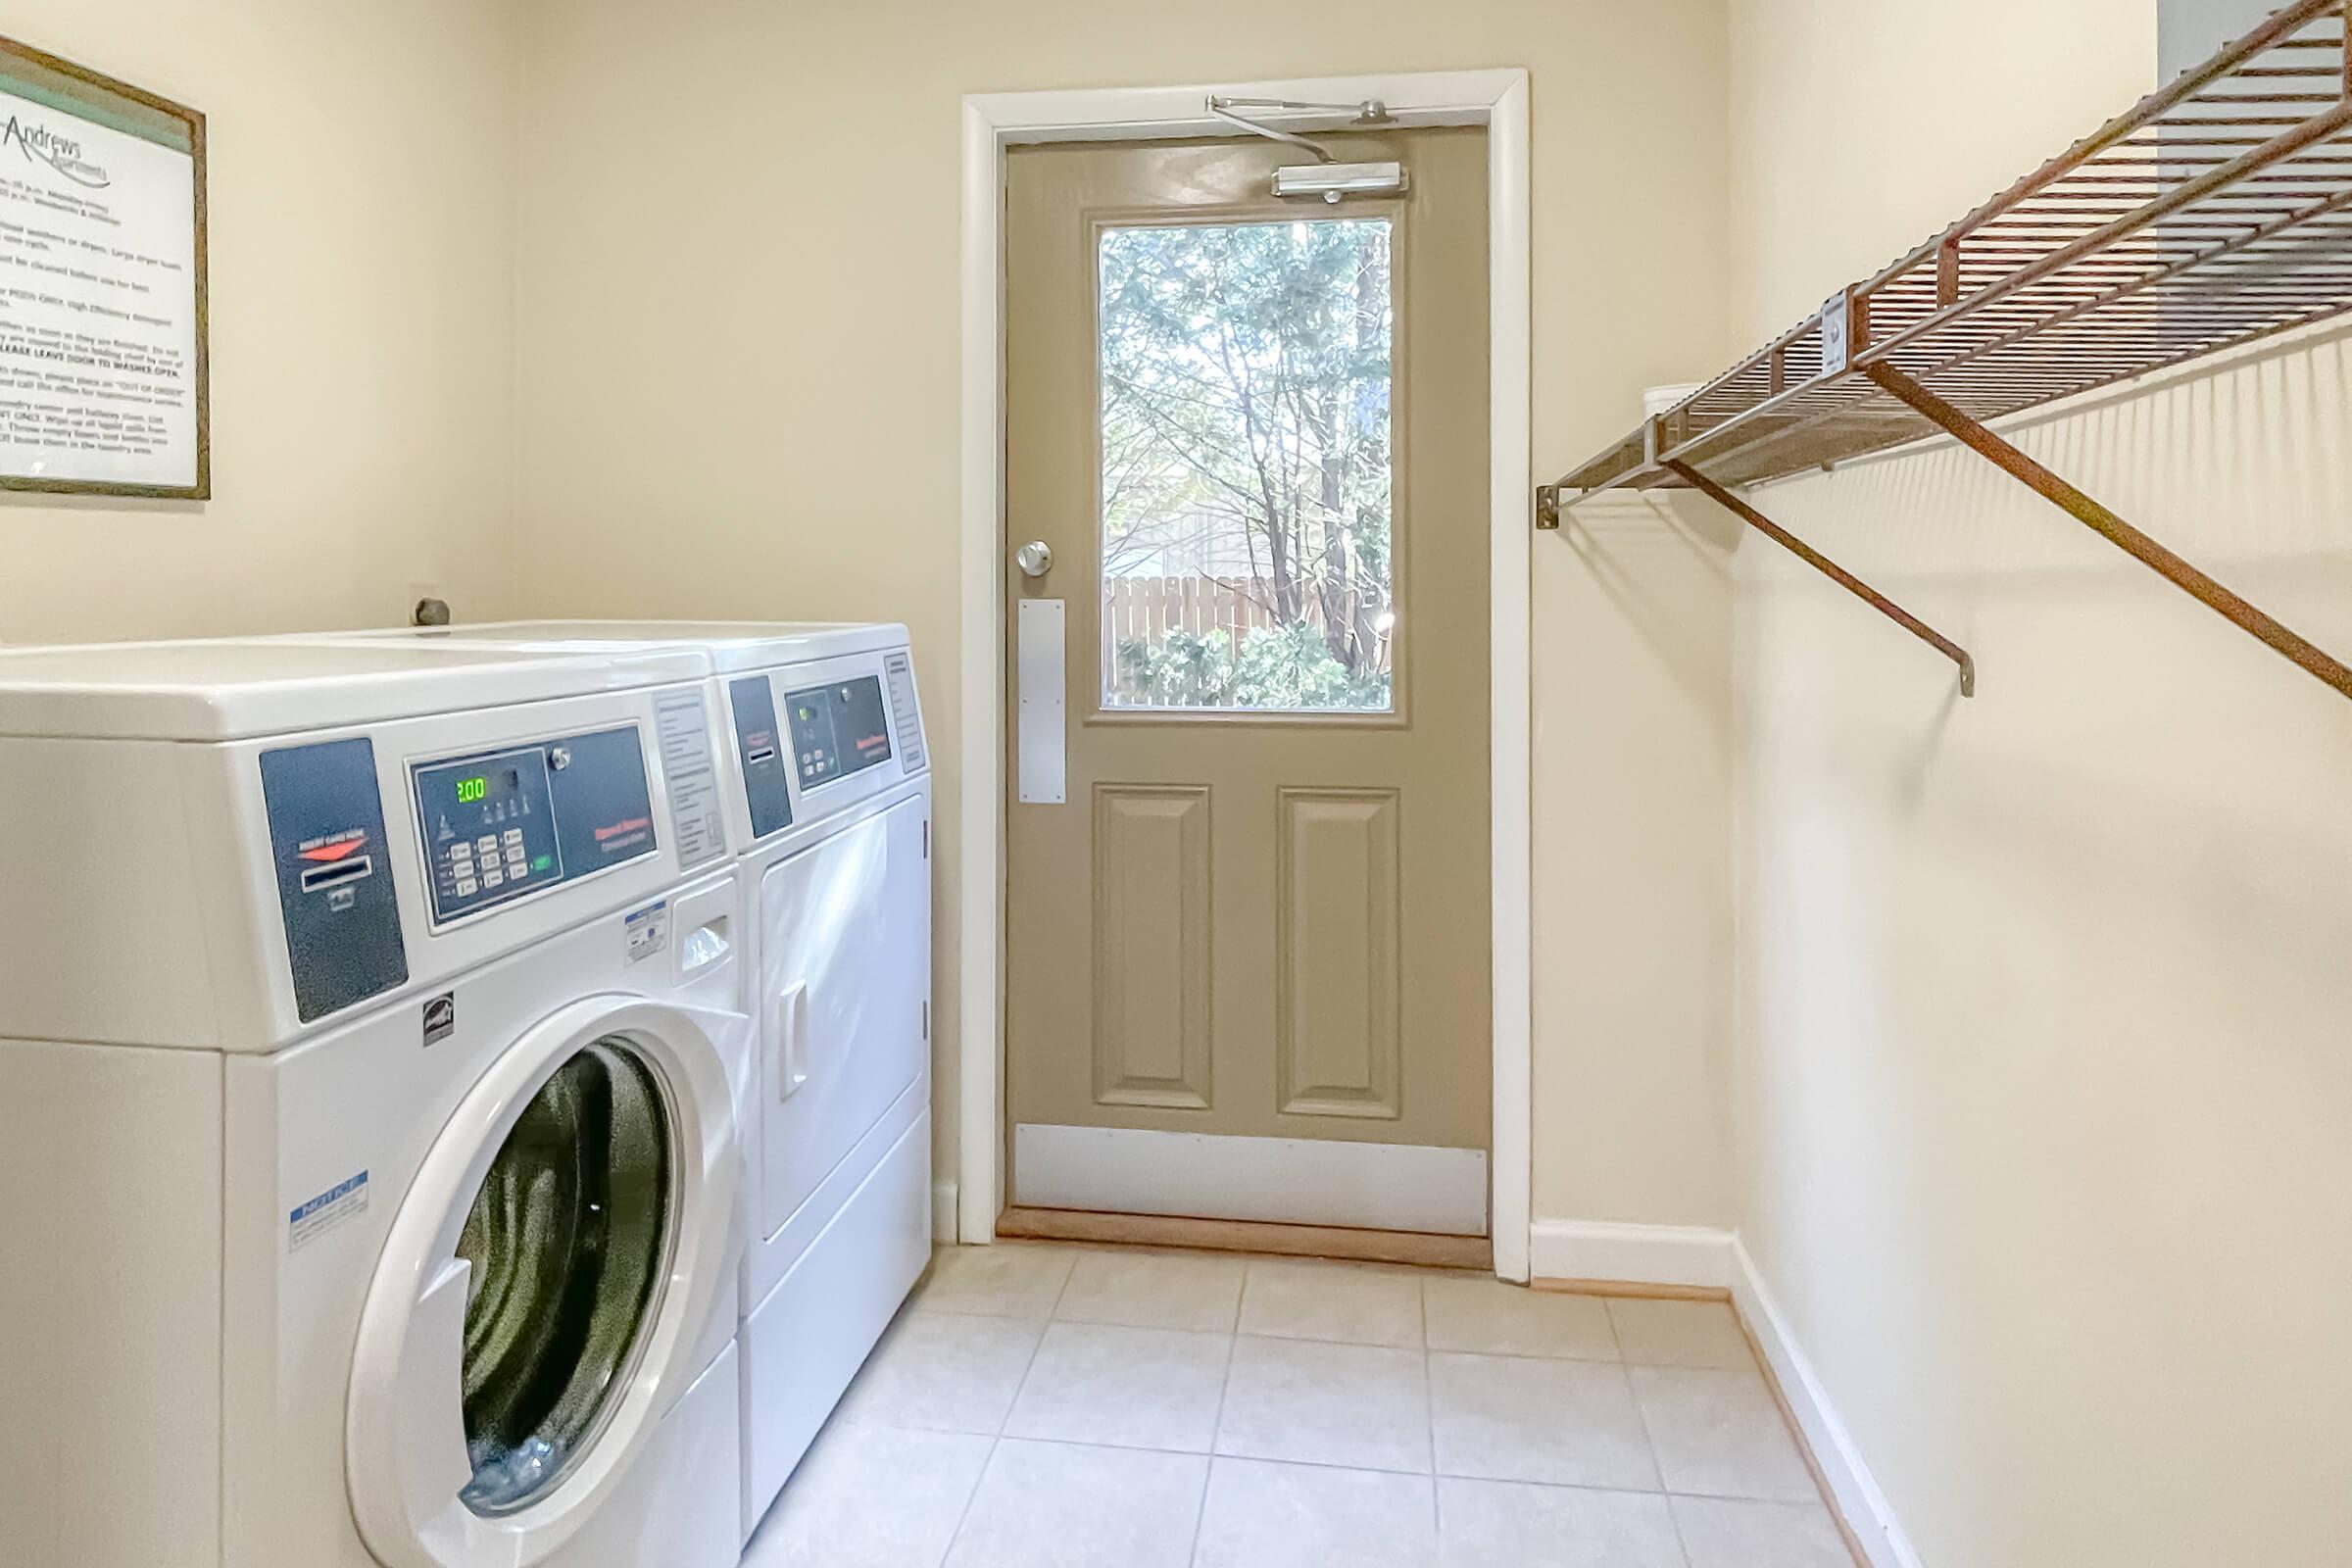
pixel 739 396
pixel 2041 1084
pixel 362 192
pixel 1859 127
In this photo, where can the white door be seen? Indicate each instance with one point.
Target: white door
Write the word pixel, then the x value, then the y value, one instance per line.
pixel 542 1293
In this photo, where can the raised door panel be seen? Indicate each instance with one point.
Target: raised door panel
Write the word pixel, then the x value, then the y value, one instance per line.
pixel 1338 1040
pixel 1151 1023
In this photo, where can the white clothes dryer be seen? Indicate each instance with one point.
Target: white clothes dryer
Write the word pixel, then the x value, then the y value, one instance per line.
pixel 373 1063
pixel 828 802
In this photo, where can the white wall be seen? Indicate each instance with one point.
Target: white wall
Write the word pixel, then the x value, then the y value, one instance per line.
pixel 2041 1085
pixel 739 384
pixel 362 218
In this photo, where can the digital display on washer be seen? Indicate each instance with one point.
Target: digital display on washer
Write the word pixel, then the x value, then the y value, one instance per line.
pixel 838 730
pixel 498 826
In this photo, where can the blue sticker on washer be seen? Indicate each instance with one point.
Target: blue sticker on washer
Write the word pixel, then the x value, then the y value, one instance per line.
pixel 648 930
pixel 306 1221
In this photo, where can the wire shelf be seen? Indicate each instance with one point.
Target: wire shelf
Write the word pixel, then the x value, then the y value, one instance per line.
pixel 2216 213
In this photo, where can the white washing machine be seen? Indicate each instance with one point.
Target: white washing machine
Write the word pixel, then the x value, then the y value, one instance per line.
pixel 829 811
pixel 373 1056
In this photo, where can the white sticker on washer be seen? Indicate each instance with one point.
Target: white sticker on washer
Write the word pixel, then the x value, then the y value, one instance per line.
pixel 648 930
pixel 306 1221
pixel 683 733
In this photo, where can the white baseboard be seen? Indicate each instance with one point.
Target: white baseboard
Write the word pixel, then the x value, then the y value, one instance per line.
pixel 943 1211
pixel 1859 1498
pixel 1695 1255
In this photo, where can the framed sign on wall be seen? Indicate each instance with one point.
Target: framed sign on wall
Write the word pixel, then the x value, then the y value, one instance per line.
pixel 104 383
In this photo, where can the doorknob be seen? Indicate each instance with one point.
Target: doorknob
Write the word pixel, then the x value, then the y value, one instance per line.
pixel 1035 559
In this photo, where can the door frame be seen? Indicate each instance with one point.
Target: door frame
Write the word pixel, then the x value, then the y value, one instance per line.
pixel 1496 100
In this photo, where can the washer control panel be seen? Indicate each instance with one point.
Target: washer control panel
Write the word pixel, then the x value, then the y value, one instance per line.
pixel 500 825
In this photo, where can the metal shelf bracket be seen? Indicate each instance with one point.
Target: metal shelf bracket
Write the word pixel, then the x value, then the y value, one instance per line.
pixel 2089 512
pixel 1547 508
pixel 1829 568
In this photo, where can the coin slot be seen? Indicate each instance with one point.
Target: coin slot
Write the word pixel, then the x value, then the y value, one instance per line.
pixel 319 877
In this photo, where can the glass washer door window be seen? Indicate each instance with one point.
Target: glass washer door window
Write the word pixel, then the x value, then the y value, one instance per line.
pixel 569 1238
pixel 1246 488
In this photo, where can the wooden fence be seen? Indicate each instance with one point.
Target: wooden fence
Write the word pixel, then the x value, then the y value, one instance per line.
pixel 1147 608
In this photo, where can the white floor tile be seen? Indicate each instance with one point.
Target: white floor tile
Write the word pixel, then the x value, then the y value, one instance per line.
pixel 1484 1524
pixel 1515 1418
pixel 1049 1406
pixel 943 1373
pixel 1060 1505
pixel 1133 1387
pixel 1010 1279
pixel 1344 1303
pixel 1154 1291
pixel 1493 1318
pixel 871 1497
pixel 1261 1515
pixel 1702 1334
pixel 1721 1534
pixel 1719 1434
pixel 1342 1404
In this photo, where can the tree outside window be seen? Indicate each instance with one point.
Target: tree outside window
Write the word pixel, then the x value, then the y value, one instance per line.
pixel 1247 466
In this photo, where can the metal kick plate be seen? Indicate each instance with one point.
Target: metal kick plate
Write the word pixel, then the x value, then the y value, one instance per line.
pixel 1044 733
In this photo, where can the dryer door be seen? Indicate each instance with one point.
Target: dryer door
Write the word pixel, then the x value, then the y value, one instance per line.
pixel 845 976
pixel 541 1294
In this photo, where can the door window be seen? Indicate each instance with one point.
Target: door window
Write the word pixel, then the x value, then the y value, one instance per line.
pixel 1246 465
pixel 569 1238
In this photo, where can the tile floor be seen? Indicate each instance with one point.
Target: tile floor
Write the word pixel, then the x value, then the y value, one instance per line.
pixel 1046 1406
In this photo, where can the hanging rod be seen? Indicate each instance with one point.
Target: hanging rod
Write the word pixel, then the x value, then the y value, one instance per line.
pixel 2216 213
pixel 1829 568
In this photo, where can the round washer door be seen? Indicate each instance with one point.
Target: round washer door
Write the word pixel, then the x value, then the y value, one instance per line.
pixel 542 1289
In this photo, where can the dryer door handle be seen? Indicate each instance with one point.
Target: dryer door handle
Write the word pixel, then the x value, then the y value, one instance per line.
pixel 789 1017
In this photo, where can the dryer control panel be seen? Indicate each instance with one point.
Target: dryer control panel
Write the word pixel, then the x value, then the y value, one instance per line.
pixel 502 825
pixel 838 729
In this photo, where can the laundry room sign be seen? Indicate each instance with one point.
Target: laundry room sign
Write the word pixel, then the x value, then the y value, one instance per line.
pixel 104 385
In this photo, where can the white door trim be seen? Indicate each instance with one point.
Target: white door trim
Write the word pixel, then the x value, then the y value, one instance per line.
pixel 994 122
